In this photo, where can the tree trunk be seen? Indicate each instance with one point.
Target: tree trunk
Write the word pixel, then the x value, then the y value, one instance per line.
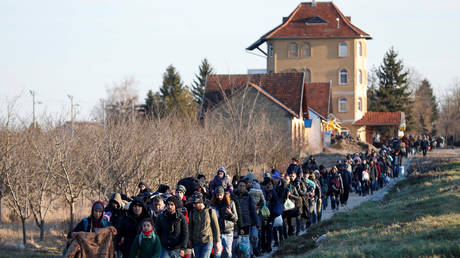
pixel 1 216
pixel 42 230
pixel 71 215
pixel 24 237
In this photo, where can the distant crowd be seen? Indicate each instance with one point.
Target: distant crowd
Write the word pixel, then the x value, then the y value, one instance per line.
pixel 241 216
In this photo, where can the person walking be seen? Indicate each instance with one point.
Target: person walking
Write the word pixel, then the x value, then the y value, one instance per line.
pixel 172 229
pixel 227 215
pixel 147 244
pixel 203 228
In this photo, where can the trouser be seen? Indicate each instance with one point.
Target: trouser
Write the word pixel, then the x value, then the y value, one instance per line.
pixel 165 253
pixel 319 210
pixel 344 196
pixel 278 234
pixel 381 179
pixel 227 241
pixel 267 235
pixel 335 200
pixel 203 250
pixel 365 187
pixel 254 237
pixel 325 199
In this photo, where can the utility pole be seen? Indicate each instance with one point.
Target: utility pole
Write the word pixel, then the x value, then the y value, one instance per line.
pixel 71 109
pixel 34 122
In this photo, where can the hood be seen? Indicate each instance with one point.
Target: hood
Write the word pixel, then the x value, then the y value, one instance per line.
pixel 94 204
pixel 116 197
pixel 144 213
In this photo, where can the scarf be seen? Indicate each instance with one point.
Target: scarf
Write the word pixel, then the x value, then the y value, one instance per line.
pixel 147 234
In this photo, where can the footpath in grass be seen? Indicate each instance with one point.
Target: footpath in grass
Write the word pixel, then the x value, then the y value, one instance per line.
pixel 419 217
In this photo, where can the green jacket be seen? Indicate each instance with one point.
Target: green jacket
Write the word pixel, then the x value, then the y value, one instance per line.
pixel 145 247
pixel 203 226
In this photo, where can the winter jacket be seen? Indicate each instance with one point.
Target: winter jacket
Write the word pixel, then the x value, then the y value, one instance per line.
pixel 281 190
pixel 336 184
pixel 324 182
pixel 273 203
pixel 203 226
pixel 88 225
pixel 257 195
pixel 227 221
pixel 346 177
pixel 115 215
pixel 293 168
pixel 172 230
pixel 225 182
pixel 247 208
pixel 130 226
pixel 373 173
pixel 146 247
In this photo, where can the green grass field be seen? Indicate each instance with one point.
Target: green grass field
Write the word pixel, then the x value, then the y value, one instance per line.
pixel 421 219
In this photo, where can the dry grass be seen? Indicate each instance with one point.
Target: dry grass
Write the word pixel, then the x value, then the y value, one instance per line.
pixel 55 230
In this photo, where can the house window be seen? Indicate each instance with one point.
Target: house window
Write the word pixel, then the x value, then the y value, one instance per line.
pixel 343 49
pixel 359 49
pixel 360 77
pixel 293 71
pixel 343 77
pixel 306 50
pixel 360 104
pixel 343 105
pixel 308 75
pixel 270 50
pixel 293 50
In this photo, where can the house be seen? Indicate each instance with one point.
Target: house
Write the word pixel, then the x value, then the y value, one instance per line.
pixel 319 40
pixel 284 97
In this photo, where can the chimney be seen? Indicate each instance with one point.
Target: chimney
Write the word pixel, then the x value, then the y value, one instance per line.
pixel 313 3
pixel 348 18
pixel 285 19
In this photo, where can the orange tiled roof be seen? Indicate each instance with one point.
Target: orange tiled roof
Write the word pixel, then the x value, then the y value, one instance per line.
pixel 317 95
pixel 285 89
pixel 319 21
pixel 381 118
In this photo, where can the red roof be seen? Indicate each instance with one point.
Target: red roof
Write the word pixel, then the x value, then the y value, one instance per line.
pixel 381 118
pixel 318 97
pixel 285 89
pixel 319 21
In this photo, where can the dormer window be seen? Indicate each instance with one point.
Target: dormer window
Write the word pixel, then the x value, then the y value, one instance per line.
pixel 315 20
pixel 293 50
pixel 343 49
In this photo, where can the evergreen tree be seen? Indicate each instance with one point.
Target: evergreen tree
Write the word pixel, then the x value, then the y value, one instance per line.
pixel 200 81
pixel 393 93
pixel 154 105
pixel 175 97
pixel 426 109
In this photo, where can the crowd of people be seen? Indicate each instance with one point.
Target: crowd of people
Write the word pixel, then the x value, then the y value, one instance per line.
pixel 240 216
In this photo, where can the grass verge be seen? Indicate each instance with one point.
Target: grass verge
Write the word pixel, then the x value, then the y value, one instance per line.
pixel 419 217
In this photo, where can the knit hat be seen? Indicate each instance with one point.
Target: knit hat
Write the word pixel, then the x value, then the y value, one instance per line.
pixel 174 200
pixel 222 169
pixel 220 190
pixel 197 197
pixel 316 172
pixel 98 205
pixel 276 174
pixel 251 177
pixel 181 188
pixel 141 183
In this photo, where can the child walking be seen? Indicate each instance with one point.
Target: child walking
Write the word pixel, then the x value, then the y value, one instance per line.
pixel 147 244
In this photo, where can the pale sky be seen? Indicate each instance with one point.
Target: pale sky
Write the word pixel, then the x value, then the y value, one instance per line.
pixel 61 47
